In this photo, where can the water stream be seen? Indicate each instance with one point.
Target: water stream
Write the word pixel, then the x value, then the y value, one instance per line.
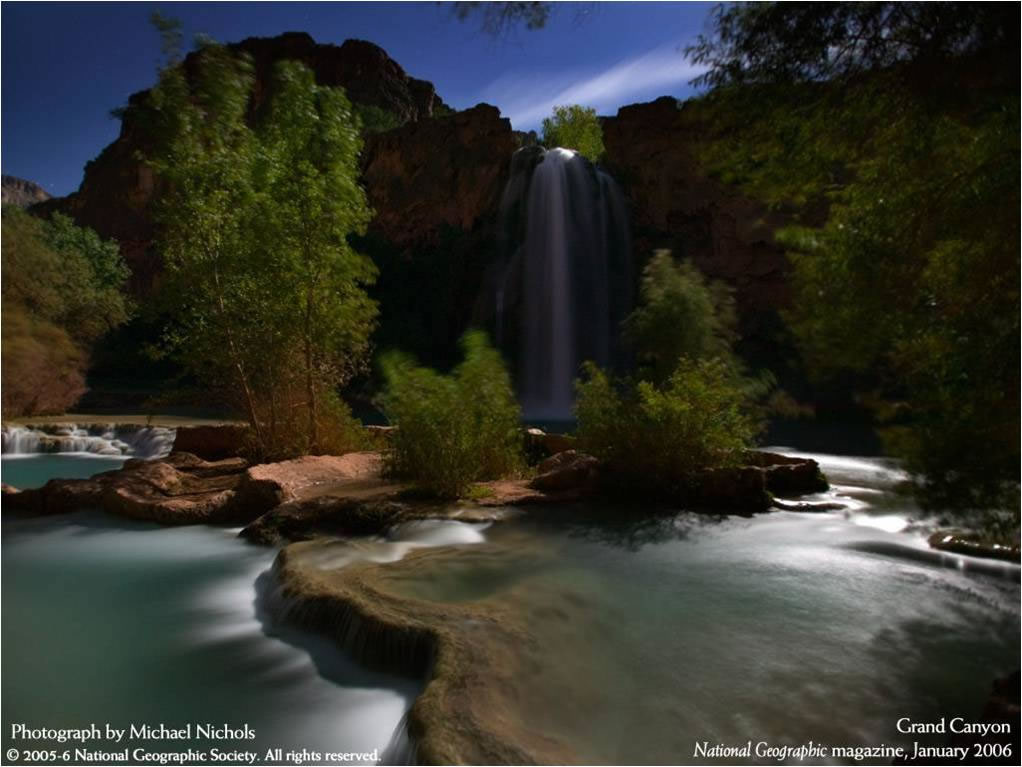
pixel 656 632
pixel 567 281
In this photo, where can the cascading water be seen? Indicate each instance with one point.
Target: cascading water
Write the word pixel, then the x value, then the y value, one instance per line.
pixel 101 439
pixel 566 283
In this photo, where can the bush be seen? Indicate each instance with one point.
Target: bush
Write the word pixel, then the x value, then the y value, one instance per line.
pixel 575 127
pixel 680 314
pixel 62 290
pixel 654 438
pixel 374 119
pixel 454 429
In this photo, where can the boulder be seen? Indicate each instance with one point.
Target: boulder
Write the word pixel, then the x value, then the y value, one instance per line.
pixel 182 489
pixel 271 484
pixel 959 542
pixel 324 515
pixel 540 445
pixel 211 443
pixel 731 489
pixel 566 471
pixel 788 475
pixel 18 191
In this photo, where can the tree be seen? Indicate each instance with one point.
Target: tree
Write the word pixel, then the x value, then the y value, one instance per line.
pixel 62 290
pixel 498 18
pixel 680 314
pixel 785 43
pixel 312 201
pixel 575 127
pixel 267 296
pixel 889 133
pixel 203 152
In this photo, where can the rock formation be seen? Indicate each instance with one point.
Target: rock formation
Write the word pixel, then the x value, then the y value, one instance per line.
pixel 18 191
pixel 117 189
pixel 652 150
pixel 435 185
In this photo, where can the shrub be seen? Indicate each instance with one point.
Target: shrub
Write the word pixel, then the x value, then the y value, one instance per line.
pixel 454 429
pixel 680 314
pixel 683 315
pixel 62 290
pixel 653 438
pixel 374 119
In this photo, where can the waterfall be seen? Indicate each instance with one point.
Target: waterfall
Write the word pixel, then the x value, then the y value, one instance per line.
pixel 95 439
pixel 567 279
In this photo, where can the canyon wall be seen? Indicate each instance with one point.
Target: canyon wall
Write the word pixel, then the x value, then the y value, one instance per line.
pixel 435 184
pixel 652 150
pixel 18 191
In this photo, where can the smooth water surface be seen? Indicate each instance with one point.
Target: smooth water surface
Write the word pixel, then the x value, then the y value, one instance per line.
pixel 35 470
pixel 652 633
pixel 110 621
pixel 659 633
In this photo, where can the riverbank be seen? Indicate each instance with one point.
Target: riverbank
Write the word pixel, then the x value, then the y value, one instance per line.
pixel 574 615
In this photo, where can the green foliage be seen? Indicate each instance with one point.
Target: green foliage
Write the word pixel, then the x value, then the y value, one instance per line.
pixel 62 290
pixel 653 438
pixel 452 430
pixel 267 296
pixel 171 37
pixel 811 42
pixel 44 369
pixel 63 273
pixel 311 201
pixel 374 119
pixel 889 132
pixel 680 314
pixel 499 18
pixel 575 127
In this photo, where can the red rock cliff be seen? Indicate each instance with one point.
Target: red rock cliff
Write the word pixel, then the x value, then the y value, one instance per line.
pixel 652 150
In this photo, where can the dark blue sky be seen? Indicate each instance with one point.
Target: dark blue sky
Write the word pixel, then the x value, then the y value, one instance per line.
pixel 66 65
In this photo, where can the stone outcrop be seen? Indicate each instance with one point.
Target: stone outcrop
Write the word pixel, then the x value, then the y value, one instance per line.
pixel 476 656
pixel 184 489
pixel 960 542
pixel 18 191
pixel 365 71
pixel 117 189
pixel 652 150
pixel 310 476
pixel 540 445
pixel 431 175
pixel 179 490
pixel 325 515
pixel 566 471
pixel 786 475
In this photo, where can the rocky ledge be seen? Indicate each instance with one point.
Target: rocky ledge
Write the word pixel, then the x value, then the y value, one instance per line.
pixel 476 657
pixel 348 495
pixel 961 542
pixel 184 489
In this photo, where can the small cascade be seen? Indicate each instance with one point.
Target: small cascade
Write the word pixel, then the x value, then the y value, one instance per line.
pixel 96 439
pixel 566 283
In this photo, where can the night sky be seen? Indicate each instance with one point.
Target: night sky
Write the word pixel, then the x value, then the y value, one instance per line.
pixel 66 65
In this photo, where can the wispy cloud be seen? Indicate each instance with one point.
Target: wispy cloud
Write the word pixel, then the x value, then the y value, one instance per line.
pixel 529 97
